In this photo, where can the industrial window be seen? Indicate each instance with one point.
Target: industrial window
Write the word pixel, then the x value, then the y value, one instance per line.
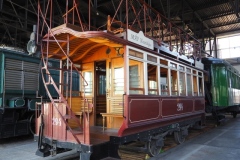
pixel 136 77
pixel 174 83
pixel 152 79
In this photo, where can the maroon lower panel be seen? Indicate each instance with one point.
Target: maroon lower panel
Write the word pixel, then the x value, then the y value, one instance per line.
pixel 176 106
pixel 199 104
pixel 143 109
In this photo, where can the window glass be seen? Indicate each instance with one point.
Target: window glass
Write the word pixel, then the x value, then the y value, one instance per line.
pixel 164 81
pixel 102 85
pixel 182 85
pixel 152 79
pixel 135 77
pixel 189 84
pixel 118 81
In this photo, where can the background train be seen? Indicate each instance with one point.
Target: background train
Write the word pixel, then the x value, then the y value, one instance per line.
pixel 222 88
pixel 21 87
pixel 19 77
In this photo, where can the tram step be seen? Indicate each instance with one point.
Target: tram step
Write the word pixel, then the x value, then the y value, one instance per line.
pixel 67 116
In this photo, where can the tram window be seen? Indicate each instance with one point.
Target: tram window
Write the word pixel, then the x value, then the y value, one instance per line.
pixel 163 62
pixel 174 83
pixel 195 89
pixel 173 65
pixel 152 79
pixel 189 84
pixel 200 86
pixel 135 77
pixel 88 77
pixel 164 81
pixel 118 81
pixel 101 85
pixel 182 85
pixel 181 68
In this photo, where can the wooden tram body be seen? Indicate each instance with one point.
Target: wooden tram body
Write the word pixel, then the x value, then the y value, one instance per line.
pixel 131 89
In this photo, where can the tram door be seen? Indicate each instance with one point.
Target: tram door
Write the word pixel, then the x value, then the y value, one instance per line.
pixel 100 91
pixel 115 91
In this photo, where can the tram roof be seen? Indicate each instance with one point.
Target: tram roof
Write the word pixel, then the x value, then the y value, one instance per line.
pixel 82 44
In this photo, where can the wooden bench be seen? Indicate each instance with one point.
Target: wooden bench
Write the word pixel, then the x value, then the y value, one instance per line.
pixel 115 111
pixel 79 108
pixel 85 109
pixel 112 115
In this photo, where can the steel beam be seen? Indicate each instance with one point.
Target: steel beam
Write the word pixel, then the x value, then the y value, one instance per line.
pixel 199 18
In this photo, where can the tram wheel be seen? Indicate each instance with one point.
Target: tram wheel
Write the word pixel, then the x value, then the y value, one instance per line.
pixel 153 147
pixel 179 137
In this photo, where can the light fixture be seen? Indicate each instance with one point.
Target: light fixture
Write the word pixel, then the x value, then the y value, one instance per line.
pixel 108 51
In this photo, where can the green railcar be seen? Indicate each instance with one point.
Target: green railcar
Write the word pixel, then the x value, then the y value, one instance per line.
pixel 222 87
pixel 20 80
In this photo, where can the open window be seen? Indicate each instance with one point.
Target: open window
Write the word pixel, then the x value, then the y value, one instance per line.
pixel 164 81
pixel 174 83
pixel 200 84
pixel 182 85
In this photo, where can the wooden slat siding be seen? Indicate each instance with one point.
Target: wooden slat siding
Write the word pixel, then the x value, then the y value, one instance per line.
pixel 116 105
pixel 78 106
pixel 114 114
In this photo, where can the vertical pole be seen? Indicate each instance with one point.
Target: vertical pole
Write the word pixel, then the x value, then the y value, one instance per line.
pixel 127 13
pixel 215 47
pixel 89 15
pixel 66 11
pixel 210 45
pixel 60 77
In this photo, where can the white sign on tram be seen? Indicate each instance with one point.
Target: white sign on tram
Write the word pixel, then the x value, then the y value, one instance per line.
pixel 139 39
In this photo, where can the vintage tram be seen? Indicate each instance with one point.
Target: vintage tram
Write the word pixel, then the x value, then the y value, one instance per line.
pixel 222 89
pixel 131 88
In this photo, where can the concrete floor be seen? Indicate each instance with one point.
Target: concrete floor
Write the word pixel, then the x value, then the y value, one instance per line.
pixel 220 143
